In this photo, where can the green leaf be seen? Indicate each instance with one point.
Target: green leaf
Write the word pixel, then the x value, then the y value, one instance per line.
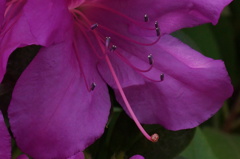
pixel 199 148
pixel 127 138
pixel 225 146
pixel 225 37
pixel 201 39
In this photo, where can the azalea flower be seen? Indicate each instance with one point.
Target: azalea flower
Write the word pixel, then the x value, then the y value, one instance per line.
pixel 61 101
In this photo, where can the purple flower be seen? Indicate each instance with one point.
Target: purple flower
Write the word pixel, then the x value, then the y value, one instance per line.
pixel 61 101
pixel 5 140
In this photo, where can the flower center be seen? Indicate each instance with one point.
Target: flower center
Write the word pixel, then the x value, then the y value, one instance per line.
pixel 103 41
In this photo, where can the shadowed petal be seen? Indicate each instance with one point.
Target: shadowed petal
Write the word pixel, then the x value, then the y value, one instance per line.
pixel 23 156
pixel 5 140
pixel 194 87
pixel 51 107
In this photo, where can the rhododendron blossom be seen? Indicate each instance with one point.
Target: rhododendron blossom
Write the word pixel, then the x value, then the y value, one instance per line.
pixel 61 101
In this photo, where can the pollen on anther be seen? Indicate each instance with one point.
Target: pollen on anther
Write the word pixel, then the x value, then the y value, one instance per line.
pixel 154 138
pixel 94 26
pixel 162 77
pixel 146 19
pixel 114 47
pixel 93 85
pixel 150 59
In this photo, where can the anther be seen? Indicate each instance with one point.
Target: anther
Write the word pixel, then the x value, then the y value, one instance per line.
pixel 114 47
pixel 156 24
pixel 150 59
pixel 94 26
pixel 107 42
pixel 162 77
pixel 158 31
pixel 154 138
pixel 146 19
pixel 93 85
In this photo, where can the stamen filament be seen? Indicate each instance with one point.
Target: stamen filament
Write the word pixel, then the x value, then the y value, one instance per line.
pixel 133 21
pixel 131 65
pixel 86 37
pixel 81 69
pixel 114 32
pixel 126 38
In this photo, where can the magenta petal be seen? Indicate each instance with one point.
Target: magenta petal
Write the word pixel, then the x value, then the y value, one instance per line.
pixel 79 155
pixel 171 16
pixel 2 10
pixel 194 87
pixel 32 22
pixel 52 115
pixel 137 157
pixel 5 140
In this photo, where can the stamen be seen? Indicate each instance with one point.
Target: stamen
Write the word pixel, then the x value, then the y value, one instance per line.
pixel 156 24
pixel 124 59
pixel 81 68
pixel 157 28
pixel 107 42
pixel 116 33
pixel 88 39
pixel 113 11
pixel 150 59
pixel 93 85
pixel 162 77
pixel 146 19
pixel 94 26
pixel 114 47
pixel 129 39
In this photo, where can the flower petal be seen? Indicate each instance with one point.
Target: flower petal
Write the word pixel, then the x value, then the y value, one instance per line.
pixel 79 155
pixel 51 110
pixel 171 16
pixel 194 87
pixel 5 140
pixel 137 157
pixel 30 22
